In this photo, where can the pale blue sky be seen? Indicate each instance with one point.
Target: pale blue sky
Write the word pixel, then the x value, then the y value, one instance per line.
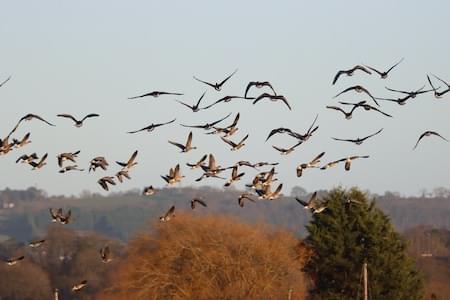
pixel 89 56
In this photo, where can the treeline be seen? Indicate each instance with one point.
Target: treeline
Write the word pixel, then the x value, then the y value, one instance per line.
pixel 120 215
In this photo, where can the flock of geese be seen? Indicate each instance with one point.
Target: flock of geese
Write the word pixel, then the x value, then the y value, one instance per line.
pixel 263 184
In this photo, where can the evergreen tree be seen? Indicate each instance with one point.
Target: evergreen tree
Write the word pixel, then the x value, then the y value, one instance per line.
pixel 350 232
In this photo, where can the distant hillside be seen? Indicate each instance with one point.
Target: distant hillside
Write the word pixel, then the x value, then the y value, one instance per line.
pixel 120 215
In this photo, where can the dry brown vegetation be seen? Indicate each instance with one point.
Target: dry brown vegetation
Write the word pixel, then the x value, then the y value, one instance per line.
pixel 210 258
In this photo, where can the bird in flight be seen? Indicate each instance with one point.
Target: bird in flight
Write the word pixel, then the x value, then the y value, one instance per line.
pixel 310 204
pixel 350 72
pixel 78 123
pixel 27 158
pixel 216 86
pixel 411 94
pixel 195 107
pixel 14 261
pixel 348 115
pixel 348 160
pixel 226 99
pixel 311 164
pixel 235 146
pixel 168 215
pixel 186 147
pixel 284 151
pixel 67 156
pixel 105 254
pixel 70 168
pixel 358 89
pixel 40 164
pixel 199 163
pixel 308 134
pixel 77 287
pixel 384 74
pixel 35 244
pixel 438 94
pixel 426 134
pixel 358 141
pixel 243 197
pixel 278 131
pixel 235 176
pixel 29 117
pixel 399 101
pixel 152 127
pixel 104 181
pixel 366 107
pixel 24 141
pixel 97 162
pixel 149 190
pixel 122 174
pixel 272 98
pixel 155 94
pixel 258 84
pixel 207 126
pixel 130 163
pixel 199 201
pixel 174 175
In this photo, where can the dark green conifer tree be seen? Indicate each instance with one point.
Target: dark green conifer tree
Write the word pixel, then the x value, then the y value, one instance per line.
pixel 350 232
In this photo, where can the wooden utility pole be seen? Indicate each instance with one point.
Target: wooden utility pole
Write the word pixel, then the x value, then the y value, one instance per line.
pixel 366 295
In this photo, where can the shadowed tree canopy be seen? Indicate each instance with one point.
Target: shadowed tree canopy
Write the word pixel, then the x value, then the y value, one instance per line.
pixel 351 231
pixel 210 258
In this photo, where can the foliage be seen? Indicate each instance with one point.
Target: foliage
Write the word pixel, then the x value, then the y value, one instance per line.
pixel 348 234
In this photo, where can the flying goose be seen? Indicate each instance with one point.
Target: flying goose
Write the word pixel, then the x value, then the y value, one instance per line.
pixel 348 160
pixel 243 197
pixel 258 84
pixel 67 156
pixel 29 117
pixel 272 98
pixel 152 127
pixel 384 74
pixel 24 141
pixel 65 219
pixel 216 86
pixel 399 101
pixel 235 146
pixel 130 163
pixel 278 131
pixel 311 202
pixel 350 72
pixel 27 158
pixel 103 182
pixel 411 94
pixel 311 164
pixel 332 164
pixel 358 141
pixel 174 175
pixel 121 174
pixel 168 215
pixel 55 214
pixel 211 170
pixel 70 168
pixel 227 131
pixel 284 151
pixel 226 99
pixel 5 81
pixel 348 115
pixel 366 107
pixel 318 210
pixel 266 192
pixel 155 94
pixel 14 261
pixel 234 176
pixel 308 134
pixel 199 163
pixel 194 107
pixel 149 190
pixel 436 93
pixel 40 164
pixel 77 287
pixel 105 254
pixel 35 244
pixel 428 133
pixel 207 126
pixel 97 162
pixel 199 201
pixel 78 123
pixel 358 89
pixel 186 147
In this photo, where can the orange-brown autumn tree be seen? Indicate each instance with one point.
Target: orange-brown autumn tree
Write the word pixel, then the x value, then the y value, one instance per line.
pixel 211 257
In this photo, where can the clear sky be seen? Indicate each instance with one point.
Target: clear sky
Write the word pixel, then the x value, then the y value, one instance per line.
pixel 80 57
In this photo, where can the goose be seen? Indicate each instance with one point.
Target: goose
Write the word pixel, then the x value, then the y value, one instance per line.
pixel 234 176
pixel 318 210
pixel 399 101
pixel 226 99
pixel 366 106
pixel 436 93
pixel 358 89
pixel 195 107
pixel 168 215
pixel 284 151
pixel 77 287
pixel 55 214
pixel 349 72
pixel 24 141
pixel 311 202
pixel 216 86
pixel 174 175
pixel 78 123
pixel 27 158
pixel 411 94
pixel 149 190
pixel 266 192
pixel 235 146
pixel 103 182
pixel 207 126
pixel 227 131
pixel 384 74
pixel 5 81
pixel 151 127
pixel 272 98
pixel 358 141
pixel 65 219
pixel 121 174
pixel 70 168
pixel 258 84
pixel 211 170
pixel 35 244
pixel 186 147
pixel 278 131
pixel 428 133
pixel 126 166
pixel 332 164
pixel 199 163
pixel 98 162
pixel 14 261
pixel 29 117
pixel 40 164
pixel 105 254
pixel 243 197
pixel 348 160
pixel 199 201
pixel 311 164
pixel 154 94
pixel 348 115
pixel 67 156
pixel 308 134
